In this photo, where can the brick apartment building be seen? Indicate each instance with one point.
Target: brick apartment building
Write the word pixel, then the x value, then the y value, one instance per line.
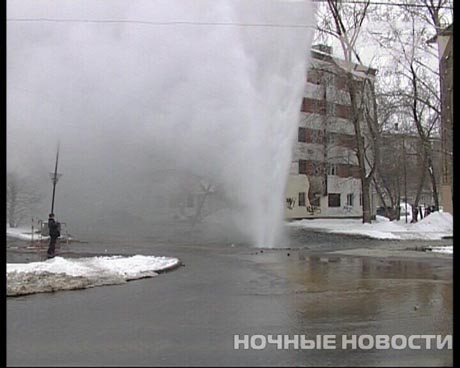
pixel 324 179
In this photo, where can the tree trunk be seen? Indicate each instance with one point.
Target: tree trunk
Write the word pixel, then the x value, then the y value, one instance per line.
pixel 433 184
pixel 398 199
pixel 200 207
pixel 422 180
pixel 367 213
pixel 390 211
pixel 365 182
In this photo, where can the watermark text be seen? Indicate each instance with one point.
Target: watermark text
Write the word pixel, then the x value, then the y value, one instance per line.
pixel 343 342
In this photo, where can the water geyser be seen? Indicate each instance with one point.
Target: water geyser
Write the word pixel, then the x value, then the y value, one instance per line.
pixel 213 87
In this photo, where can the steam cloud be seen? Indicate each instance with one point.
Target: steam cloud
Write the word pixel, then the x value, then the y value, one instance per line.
pixel 206 88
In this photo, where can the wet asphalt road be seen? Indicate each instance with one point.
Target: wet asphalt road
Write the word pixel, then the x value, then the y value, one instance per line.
pixel 189 316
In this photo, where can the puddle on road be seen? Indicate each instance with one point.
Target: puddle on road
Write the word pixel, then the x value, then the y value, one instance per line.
pixel 345 295
pixel 365 294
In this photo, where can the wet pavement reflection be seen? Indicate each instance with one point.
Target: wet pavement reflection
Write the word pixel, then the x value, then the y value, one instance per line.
pixel 190 316
pixel 345 295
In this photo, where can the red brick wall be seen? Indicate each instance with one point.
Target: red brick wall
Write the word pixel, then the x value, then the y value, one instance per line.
pixel 341 83
pixel 346 171
pixel 343 111
pixel 311 168
pixel 316 168
pixel 315 76
pixel 308 135
pixel 313 106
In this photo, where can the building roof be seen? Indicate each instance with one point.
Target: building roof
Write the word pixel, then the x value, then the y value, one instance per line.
pixel 357 69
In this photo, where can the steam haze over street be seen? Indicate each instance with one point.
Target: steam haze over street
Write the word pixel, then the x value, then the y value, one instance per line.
pixel 202 89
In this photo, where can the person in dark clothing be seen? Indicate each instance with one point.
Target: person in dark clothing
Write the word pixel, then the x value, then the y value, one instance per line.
pixel 54 232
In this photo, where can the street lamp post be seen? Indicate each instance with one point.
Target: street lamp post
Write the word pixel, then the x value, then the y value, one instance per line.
pixel 54 179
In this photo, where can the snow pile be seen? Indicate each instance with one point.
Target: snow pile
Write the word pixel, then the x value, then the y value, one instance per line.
pixel 447 249
pixel 435 222
pixel 435 226
pixel 65 274
pixel 382 228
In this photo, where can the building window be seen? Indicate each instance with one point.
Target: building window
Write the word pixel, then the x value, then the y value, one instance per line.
pixel 334 199
pixel 302 135
pixel 302 166
pixel 317 136
pixel 350 198
pixel 302 202
pixel 331 169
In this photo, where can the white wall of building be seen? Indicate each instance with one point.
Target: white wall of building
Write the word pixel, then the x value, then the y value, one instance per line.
pixel 296 184
pixel 344 186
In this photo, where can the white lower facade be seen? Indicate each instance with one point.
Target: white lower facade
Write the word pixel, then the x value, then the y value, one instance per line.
pixel 343 199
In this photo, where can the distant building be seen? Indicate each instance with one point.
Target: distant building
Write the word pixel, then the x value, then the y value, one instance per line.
pixel 324 179
pixel 446 66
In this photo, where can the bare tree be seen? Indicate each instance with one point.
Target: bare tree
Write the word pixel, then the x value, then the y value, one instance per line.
pixel 20 199
pixel 344 21
pixel 413 84
pixel 190 193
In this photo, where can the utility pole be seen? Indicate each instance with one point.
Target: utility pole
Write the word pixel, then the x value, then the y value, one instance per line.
pixel 405 175
pixel 54 179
